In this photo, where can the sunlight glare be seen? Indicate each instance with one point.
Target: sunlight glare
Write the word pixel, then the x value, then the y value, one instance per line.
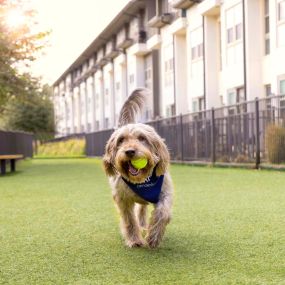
pixel 15 19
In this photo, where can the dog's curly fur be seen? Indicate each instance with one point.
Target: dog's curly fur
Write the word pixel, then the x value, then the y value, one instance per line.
pixel 134 140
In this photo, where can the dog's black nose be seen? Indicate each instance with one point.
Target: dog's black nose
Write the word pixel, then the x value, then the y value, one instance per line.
pixel 130 152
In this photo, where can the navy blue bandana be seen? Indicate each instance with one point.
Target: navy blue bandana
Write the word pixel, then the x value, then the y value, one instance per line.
pixel 150 189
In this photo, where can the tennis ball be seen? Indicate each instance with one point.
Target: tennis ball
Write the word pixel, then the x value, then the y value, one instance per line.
pixel 139 163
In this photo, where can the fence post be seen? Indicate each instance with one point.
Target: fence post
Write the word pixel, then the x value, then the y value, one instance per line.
pixel 181 137
pixel 213 135
pixel 257 131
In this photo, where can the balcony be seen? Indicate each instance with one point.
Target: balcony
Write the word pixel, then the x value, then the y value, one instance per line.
pixel 139 49
pixel 210 7
pixel 154 42
pixel 111 50
pixel 123 39
pixel 160 20
pixel 101 58
pixel 178 27
pixel 183 4
pixel 121 59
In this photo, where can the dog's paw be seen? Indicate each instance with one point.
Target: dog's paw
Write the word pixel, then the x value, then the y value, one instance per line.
pixel 137 243
pixel 152 241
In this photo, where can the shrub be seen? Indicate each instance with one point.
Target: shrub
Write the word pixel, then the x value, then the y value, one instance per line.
pixel 224 159
pixel 72 147
pixel 242 159
pixel 275 143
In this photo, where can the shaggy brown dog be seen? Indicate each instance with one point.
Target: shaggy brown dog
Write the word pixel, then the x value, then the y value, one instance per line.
pixel 133 189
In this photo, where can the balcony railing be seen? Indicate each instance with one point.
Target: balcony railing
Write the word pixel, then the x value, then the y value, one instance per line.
pixel 183 4
pixel 111 50
pixel 160 20
pixel 123 39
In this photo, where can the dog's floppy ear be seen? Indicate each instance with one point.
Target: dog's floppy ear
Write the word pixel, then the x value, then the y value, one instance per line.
pixel 108 158
pixel 164 157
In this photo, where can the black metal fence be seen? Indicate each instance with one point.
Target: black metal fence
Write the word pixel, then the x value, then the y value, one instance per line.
pixel 16 143
pixel 65 138
pixel 95 142
pixel 235 133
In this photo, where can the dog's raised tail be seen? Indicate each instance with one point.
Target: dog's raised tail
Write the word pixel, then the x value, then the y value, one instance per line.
pixel 132 106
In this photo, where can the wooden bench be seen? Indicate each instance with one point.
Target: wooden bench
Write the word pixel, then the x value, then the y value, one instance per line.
pixel 12 158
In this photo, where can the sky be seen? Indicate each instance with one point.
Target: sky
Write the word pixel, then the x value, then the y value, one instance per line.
pixel 74 24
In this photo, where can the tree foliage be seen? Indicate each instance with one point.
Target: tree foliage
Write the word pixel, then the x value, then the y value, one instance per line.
pixel 33 113
pixel 24 104
pixel 19 46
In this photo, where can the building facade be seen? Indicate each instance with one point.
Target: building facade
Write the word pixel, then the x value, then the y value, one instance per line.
pixel 192 55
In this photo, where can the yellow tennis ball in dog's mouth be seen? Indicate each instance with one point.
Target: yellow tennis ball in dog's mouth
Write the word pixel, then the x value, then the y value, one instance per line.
pixel 139 163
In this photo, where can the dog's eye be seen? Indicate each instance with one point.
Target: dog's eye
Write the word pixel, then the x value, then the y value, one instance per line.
pixel 141 138
pixel 120 140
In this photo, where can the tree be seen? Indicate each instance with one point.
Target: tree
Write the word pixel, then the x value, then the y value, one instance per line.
pixel 33 112
pixel 19 46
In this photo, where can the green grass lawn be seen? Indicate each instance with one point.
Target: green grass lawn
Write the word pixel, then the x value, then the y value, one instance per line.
pixel 58 225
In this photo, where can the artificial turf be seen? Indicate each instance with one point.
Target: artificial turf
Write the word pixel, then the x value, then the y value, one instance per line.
pixel 58 225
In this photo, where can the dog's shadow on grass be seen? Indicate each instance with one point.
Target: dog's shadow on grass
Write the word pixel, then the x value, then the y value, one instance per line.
pixel 10 174
pixel 188 248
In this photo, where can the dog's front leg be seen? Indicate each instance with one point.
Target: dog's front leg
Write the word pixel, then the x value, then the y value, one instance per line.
pixel 129 227
pixel 160 217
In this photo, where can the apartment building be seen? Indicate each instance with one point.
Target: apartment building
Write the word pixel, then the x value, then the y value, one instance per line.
pixel 193 55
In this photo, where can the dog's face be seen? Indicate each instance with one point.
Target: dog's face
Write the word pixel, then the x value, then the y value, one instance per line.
pixel 131 142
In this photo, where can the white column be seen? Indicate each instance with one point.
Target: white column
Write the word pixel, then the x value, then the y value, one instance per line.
pixel 65 104
pixel 101 95
pixel 71 112
pixel 254 47
pixel 120 82
pixel 180 73
pixel 212 67
pixel 93 108
pixel 112 97
pixel 83 106
pixel 78 108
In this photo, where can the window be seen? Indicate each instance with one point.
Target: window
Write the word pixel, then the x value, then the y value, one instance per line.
pixel 88 127
pixel 75 110
pixel 67 108
pixel 106 123
pixel 268 90
pixel 198 104
pixel 194 106
pixel 107 97
pixel 281 23
pixel 196 37
pixel 168 65
pixel 197 44
pixel 282 87
pixel 231 97
pixel 168 69
pixel 234 34
pixel 281 10
pixel 234 23
pixel 267 27
pixel 82 107
pixel 148 71
pixel 88 105
pixel 170 110
pixel 236 95
pixel 117 91
pixel 97 100
pixel 132 79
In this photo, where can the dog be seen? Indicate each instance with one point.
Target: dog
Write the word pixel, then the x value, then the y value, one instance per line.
pixel 134 189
